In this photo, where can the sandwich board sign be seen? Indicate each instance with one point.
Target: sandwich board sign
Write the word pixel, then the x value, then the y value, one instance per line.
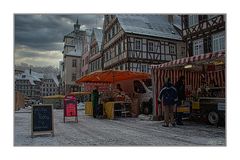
pixel 70 107
pixel 42 120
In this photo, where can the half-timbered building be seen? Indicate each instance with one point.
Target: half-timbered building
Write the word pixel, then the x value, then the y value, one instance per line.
pixel 203 33
pixel 134 42
pixel 95 59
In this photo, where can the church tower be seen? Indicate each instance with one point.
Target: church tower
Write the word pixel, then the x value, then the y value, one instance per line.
pixel 76 26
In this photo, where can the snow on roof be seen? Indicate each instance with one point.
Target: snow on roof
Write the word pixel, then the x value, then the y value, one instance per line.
pixel 35 74
pixel 98 34
pixel 30 78
pixel 53 77
pixel 152 25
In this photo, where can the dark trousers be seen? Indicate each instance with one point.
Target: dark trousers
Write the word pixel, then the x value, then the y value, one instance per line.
pixel 179 115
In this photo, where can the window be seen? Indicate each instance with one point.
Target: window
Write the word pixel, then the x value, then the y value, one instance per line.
pixel 122 46
pixel 183 51
pixel 119 48
pixel 211 16
pixel 150 46
pixel 115 51
pixel 172 49
pixel 138 44
pixel 218 42
pixel 193 20
pixel 109 36
pixel 73 77
pixel 162 48
pixel 121 67
pixel 138 87
pixel 113 31
pixel 144 68
pixel 198 47
pixel 166 49
pixel 74 63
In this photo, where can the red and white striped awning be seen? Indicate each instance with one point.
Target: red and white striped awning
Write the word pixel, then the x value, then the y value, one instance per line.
pixel 191 60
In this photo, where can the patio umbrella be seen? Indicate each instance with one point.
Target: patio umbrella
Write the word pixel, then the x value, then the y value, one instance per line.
pixel 112 76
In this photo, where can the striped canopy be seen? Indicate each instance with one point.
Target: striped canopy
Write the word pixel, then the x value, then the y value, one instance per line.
pixel 193 78
pixel 197 59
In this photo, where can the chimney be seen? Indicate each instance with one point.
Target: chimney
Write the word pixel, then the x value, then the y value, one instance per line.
pixel 170 19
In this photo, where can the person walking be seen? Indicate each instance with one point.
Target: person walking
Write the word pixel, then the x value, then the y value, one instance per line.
pixel 180 86
pixel 95 97
pixel 168 95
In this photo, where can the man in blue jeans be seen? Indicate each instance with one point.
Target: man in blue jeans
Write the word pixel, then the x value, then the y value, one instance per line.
pixel 180 86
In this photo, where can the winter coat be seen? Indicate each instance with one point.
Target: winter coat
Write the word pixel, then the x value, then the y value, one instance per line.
pixel 168 94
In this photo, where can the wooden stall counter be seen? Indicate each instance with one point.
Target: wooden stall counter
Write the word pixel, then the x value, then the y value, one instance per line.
pixel 116 109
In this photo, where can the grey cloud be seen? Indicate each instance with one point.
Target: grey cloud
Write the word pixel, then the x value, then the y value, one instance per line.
pixel 43 29
pixel 45 32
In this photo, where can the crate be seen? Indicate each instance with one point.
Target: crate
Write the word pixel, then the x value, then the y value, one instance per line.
pixel 195 105
pixel 88 108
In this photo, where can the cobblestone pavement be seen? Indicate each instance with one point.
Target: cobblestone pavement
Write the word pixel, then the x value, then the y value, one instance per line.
pixel 121 132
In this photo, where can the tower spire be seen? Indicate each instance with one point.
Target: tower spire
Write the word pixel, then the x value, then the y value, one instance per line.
pixel 76 26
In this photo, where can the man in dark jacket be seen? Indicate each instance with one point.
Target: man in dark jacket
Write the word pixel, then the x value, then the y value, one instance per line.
pixel 168 95
pixel 180 86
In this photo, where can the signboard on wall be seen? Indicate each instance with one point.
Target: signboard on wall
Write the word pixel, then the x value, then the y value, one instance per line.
pixel 70 107
pixel 42 119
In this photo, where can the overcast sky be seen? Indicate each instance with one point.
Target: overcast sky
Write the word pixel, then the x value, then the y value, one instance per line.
pixel 39 38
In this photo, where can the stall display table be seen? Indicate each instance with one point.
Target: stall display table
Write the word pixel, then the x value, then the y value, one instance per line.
pixel 116 109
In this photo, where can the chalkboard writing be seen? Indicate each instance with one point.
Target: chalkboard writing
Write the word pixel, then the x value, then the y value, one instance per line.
pixel 42 118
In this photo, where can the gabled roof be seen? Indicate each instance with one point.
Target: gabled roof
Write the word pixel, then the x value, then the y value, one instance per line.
pixel 151 25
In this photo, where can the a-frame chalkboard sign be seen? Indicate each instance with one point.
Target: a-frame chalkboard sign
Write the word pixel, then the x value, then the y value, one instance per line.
pixel 42 120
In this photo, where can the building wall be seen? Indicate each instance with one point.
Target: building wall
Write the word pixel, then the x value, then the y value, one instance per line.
pixel 125 54
pixel 70 70
pixel 201 32
pixel 49 87
pixel 127 51
pixel 95 60
pixel 27 89
pixel 85 62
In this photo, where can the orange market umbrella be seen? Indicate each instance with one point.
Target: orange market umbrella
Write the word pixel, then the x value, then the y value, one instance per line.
pixel 112 76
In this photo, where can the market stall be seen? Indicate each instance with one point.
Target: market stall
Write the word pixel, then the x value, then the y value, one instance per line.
pixel 204 83
pixel 115 101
